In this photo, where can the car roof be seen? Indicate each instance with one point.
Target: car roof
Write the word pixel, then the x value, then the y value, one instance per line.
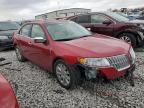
pixel 89 14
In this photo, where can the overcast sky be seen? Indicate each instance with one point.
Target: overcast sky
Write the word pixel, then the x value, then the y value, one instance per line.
pixel 27 9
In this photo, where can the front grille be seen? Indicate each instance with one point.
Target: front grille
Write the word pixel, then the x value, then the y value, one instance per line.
pixel 119 62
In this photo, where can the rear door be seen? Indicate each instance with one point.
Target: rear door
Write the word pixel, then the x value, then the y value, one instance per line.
pixel 98 26
pixel 23 39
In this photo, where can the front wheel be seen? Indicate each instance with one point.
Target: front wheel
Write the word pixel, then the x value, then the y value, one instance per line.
pixel 129 38
pixel 67 76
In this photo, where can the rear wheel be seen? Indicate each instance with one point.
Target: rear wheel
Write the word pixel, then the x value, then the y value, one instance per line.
pixel 67 76
pixel 129 38
pixel 20 57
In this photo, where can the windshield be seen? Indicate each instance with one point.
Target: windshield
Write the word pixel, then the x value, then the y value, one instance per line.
pixel 122 14
pixel 118 17
pixel 66 30
pixel 8 26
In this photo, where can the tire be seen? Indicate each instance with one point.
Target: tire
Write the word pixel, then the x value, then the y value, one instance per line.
pixel 66 75
pixel 129 38
pixel 20 57
pixel 130 78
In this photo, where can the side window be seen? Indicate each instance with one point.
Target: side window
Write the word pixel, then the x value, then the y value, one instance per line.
pixel 83 19
pixel 37 32
pixel 25 31
pixel 98 19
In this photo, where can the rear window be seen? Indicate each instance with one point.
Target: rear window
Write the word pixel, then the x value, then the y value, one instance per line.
pixel 8 26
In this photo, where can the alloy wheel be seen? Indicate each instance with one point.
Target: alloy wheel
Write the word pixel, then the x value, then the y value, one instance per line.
pixel 126 39
pixel 63 74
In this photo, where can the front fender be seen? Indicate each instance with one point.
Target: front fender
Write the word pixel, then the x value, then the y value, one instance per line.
pixel 68 59
pixel 138 34
pixel 133 31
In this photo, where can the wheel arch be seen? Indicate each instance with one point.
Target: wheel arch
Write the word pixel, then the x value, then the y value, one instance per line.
pixel 67 59
pixel 131 32
pixel 127 31
pixel 56 59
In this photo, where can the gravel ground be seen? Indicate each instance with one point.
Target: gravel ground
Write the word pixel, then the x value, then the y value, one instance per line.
pixel 36 88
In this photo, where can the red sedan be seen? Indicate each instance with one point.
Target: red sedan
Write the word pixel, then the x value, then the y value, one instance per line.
pixel 7 96
pixel 72 52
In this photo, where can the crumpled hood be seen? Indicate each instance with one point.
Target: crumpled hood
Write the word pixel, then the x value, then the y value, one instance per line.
pixel 97 46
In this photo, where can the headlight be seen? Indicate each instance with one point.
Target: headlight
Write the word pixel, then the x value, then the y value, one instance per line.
pixel 94 62
pixel 3 37
pixel 132 54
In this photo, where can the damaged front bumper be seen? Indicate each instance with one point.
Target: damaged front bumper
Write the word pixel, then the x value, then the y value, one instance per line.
pixel 109 73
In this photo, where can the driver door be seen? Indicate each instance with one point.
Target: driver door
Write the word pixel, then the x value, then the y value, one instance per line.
pixel 98 26
pixel 40 52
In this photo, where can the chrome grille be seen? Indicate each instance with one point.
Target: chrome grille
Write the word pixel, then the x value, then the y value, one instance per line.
pixel 120 62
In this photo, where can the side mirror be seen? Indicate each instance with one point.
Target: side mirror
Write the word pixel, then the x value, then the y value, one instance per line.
pixel 39 40
pixel 107 22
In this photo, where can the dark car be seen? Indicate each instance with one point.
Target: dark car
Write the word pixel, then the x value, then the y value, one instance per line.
pixel 6 31
pixel 112 24
pixel 141 18
pixel 130 17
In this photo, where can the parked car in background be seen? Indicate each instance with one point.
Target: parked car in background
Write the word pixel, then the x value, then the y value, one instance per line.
pixel 7 96
pixel 7 28
pixel 133 16
pixel 130 17
pixel 71 52
pixel 139 22
pixel 18 22
pixel 112 24
pixel 25 21
pixel 141 18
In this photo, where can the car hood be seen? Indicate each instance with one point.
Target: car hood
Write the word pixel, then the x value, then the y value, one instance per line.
pixel 97 46
pixel 7 33
pixel 137 21
pixel 7 97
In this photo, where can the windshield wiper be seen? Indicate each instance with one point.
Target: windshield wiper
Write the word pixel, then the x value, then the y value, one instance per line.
pixel 85 36
pixel 65 39
pixel 72 38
